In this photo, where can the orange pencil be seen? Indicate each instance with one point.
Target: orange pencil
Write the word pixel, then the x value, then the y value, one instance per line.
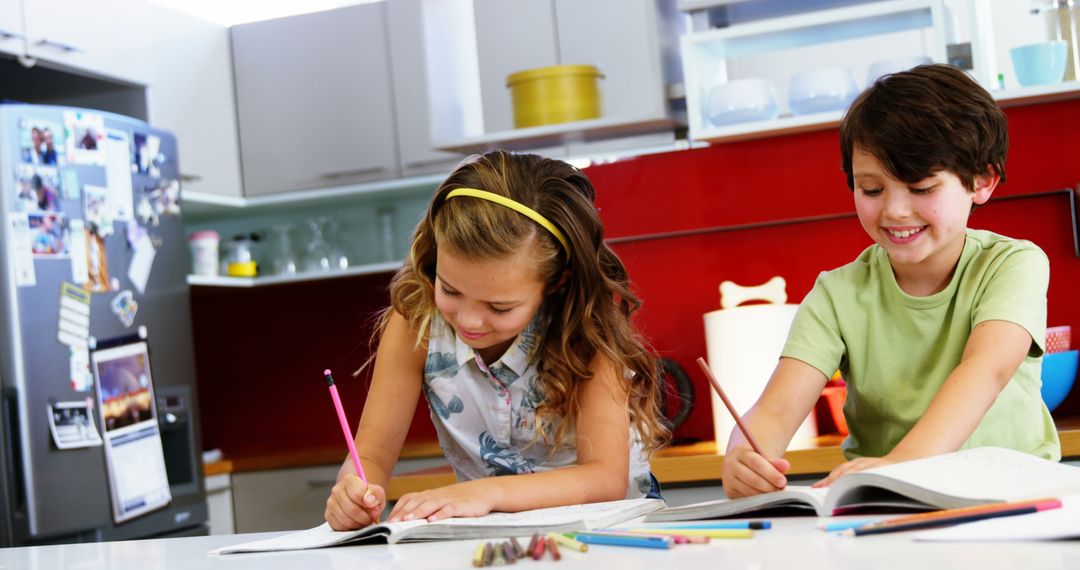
pixel 956 516
pixel 554 549
pixel 731 408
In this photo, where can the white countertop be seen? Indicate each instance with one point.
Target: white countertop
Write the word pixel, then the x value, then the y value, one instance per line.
pixel 792 543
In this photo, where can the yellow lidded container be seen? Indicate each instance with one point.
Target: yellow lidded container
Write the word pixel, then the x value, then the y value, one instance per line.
pixel 555 94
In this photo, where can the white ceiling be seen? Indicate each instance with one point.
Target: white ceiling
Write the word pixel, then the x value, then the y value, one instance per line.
pixel 232 12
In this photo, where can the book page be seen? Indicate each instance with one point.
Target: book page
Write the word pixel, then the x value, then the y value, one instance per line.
pixel 984 474
pixel 589 514
pixel 791 496
pixel 318 537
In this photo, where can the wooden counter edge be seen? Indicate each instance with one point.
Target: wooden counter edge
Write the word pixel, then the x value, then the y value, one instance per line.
pixel 672 466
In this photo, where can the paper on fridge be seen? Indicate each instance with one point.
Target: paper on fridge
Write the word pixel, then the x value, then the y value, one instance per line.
pixel 22 254
pixel 73 326
pixel 118 175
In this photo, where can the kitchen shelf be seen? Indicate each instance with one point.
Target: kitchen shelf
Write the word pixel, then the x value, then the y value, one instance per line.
pixel 201 206
pixel 705 54
pixel 791 124
pixel 557 134
pixel 247 282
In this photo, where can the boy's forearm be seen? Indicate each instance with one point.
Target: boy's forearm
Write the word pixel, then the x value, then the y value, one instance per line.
pixel 953 414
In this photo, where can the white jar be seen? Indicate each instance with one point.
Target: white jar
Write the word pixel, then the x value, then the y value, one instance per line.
pixel 204 252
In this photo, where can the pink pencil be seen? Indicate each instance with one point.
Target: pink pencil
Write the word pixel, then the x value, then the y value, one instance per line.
pixel 731 408
pixel 345 425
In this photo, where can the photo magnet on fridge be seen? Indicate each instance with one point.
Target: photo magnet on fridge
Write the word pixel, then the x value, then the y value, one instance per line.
pixel 125 307
pixel 42 142
pixel 85 145
pixel 72 424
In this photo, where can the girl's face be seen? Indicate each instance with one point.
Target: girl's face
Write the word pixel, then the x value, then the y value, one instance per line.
pixel 488 303
pixel 921 226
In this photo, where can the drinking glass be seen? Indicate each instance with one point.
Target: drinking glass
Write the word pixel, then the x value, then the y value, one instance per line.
pixel 282 256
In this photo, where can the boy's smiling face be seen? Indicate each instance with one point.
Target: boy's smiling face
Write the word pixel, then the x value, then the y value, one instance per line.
pixel 921 226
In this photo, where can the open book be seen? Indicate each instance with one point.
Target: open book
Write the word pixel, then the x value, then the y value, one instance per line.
pixel 959 479
pixel 495 525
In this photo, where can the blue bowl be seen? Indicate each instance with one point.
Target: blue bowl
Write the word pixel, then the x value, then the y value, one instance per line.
pixel 1040 64
pixel 1058 375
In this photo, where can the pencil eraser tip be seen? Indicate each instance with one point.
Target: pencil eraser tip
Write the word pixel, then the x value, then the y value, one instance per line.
pixel 326 372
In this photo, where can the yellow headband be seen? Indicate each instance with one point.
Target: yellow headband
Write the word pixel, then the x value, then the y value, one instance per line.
pixel 517 207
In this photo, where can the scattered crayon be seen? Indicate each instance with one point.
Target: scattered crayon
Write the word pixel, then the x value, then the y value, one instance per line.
pixel 538 549
pixel 498 560
pixel 518 552
pixel 508 552
pixel 532 545
pixel 553 548
pixel 478 559
pixel 570 542
pixel 489 554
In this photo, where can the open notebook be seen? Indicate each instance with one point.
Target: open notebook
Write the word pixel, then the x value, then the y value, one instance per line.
pixel 495 525
pixel 959 479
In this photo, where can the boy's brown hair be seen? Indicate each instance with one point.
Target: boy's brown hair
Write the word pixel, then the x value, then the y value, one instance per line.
pixel 930 118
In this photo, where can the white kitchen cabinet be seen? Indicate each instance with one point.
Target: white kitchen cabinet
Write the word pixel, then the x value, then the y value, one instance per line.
pixel 11 27
pixel 408 67
pixel 623 38
pixel 314 100
pixel 96 37
pixel 191 94
pixel 219 504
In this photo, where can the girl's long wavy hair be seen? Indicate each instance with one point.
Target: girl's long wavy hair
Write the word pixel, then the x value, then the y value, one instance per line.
pixel 587 314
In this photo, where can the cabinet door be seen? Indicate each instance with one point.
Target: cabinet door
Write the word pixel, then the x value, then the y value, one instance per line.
pixel 11 27
pixel 411 105
pixel 510 37
pixel 281 499
pixel 314 100
pixel 621 37
pixel 100 37
pixel 191 94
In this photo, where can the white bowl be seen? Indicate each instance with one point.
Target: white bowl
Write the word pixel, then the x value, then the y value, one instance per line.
pixel 895 65
pixel 741 100
pixel 822 90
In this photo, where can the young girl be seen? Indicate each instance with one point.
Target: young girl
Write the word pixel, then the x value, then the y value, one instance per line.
pixel 513 319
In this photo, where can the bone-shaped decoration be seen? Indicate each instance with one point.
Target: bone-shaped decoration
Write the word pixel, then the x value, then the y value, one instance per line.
pixel 732 294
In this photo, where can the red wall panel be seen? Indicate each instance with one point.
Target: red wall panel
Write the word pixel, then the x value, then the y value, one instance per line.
pixel 260 351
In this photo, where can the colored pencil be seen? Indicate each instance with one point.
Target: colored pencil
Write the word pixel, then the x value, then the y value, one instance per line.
pixel 955 516
pixel 844 525
pixel 345 426
pixel 711 533
pixel 756 525
pixel 625 540
pixel 731 408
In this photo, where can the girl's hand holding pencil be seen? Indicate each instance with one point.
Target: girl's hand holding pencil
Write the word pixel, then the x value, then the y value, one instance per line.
pixel 354 504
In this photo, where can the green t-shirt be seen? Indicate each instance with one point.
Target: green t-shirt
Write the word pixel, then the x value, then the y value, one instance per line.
pixel 895 350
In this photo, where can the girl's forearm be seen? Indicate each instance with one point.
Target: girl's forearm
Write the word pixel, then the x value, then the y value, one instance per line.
pixel 564 486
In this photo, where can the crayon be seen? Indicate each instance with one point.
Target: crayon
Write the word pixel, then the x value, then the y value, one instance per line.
pixel 532 545
pixel 570 542
pixel 508 552
pixel 478 558
pixel 538 549
pixel 489 554
pixel 554 549
pixel 518 552
pixel 498 559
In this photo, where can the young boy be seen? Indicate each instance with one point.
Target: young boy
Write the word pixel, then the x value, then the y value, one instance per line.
pixel 937 328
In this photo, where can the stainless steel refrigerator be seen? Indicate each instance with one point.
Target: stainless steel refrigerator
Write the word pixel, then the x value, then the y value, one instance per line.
pixel 98 426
